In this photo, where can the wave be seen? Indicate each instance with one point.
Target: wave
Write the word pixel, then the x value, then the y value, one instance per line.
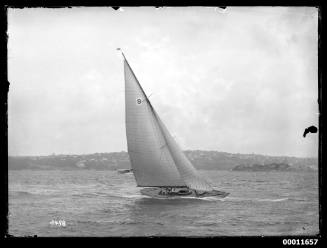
pixel 134 196
pixel 107 222
pixel 273 200
pixel 229 199
pixel 20 193
pixel 140 196
pixel 299 199
pixel 90 194
pixel 35 193
pixel 122 195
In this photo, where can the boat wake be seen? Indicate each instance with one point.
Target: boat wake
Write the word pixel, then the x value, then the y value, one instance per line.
pixel 212 199
pixel 128 196
pixel 229 198
pixel 134 196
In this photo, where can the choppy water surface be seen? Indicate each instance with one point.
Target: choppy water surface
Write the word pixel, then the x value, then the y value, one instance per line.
pixel 105 203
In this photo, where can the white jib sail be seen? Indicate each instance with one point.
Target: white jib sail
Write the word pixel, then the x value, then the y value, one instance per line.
pixel 188 173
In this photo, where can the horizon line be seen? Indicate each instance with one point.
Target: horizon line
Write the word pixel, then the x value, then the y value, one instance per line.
pixel 80 154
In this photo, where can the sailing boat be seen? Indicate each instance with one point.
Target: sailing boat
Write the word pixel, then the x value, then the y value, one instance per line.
pixel 159 165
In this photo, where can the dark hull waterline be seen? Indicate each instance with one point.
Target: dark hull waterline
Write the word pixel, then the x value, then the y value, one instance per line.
pixel 155 192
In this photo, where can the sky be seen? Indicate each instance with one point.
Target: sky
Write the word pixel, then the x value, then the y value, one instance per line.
pixel 238 80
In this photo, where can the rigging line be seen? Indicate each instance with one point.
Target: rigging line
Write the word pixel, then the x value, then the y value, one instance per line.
pixel 146 97
pixel 133 73
pixel 154 129
pixel 137 81
pixel 162 157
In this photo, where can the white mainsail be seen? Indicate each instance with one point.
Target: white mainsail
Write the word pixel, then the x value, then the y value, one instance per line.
pixel 151 161
pixel 155 156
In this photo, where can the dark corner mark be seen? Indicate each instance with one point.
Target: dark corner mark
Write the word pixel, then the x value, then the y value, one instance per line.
pixel 116 8
pixel 311 129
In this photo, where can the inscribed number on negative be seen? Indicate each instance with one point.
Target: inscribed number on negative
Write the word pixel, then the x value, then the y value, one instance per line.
pixel 138 101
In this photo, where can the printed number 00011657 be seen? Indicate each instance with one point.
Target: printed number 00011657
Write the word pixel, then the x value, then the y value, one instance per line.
pixel 300 241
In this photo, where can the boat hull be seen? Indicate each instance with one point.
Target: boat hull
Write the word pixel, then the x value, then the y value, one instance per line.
pixel 155 193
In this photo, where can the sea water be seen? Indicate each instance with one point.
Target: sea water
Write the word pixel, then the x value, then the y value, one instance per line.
pixel 107 203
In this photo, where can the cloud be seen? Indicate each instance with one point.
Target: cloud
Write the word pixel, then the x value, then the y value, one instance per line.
pixel 240 81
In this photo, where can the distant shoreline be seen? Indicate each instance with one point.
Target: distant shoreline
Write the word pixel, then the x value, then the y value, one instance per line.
pixel 205 160
pixel 186 151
